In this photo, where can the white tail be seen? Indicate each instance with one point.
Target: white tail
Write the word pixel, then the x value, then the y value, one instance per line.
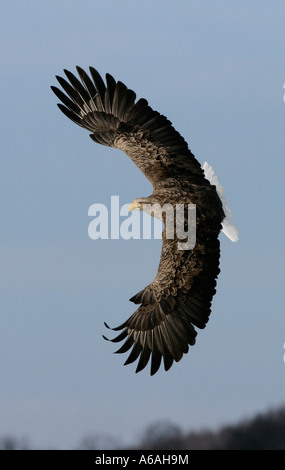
pixel 229 228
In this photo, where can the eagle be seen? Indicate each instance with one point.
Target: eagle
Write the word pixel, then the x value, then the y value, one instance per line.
pixel 179 299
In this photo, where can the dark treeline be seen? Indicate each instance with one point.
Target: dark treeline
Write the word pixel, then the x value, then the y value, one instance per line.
pixel 265 431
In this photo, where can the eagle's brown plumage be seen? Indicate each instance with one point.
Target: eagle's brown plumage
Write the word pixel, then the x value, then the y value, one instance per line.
pixel 179 298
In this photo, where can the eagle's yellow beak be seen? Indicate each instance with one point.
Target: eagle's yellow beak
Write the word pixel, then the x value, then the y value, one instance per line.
pixel 135 205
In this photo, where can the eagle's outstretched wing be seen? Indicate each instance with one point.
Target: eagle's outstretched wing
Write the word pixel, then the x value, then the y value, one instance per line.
pixel 180 296
pixel 164 324
pixel 116 119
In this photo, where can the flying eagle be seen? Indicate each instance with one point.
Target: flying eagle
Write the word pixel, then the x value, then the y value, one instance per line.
pixel 179 298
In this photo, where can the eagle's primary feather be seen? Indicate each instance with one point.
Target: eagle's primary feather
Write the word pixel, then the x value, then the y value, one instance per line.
pixel 179 298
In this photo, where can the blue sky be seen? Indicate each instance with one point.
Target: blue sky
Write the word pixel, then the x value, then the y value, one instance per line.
pixel 216 69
